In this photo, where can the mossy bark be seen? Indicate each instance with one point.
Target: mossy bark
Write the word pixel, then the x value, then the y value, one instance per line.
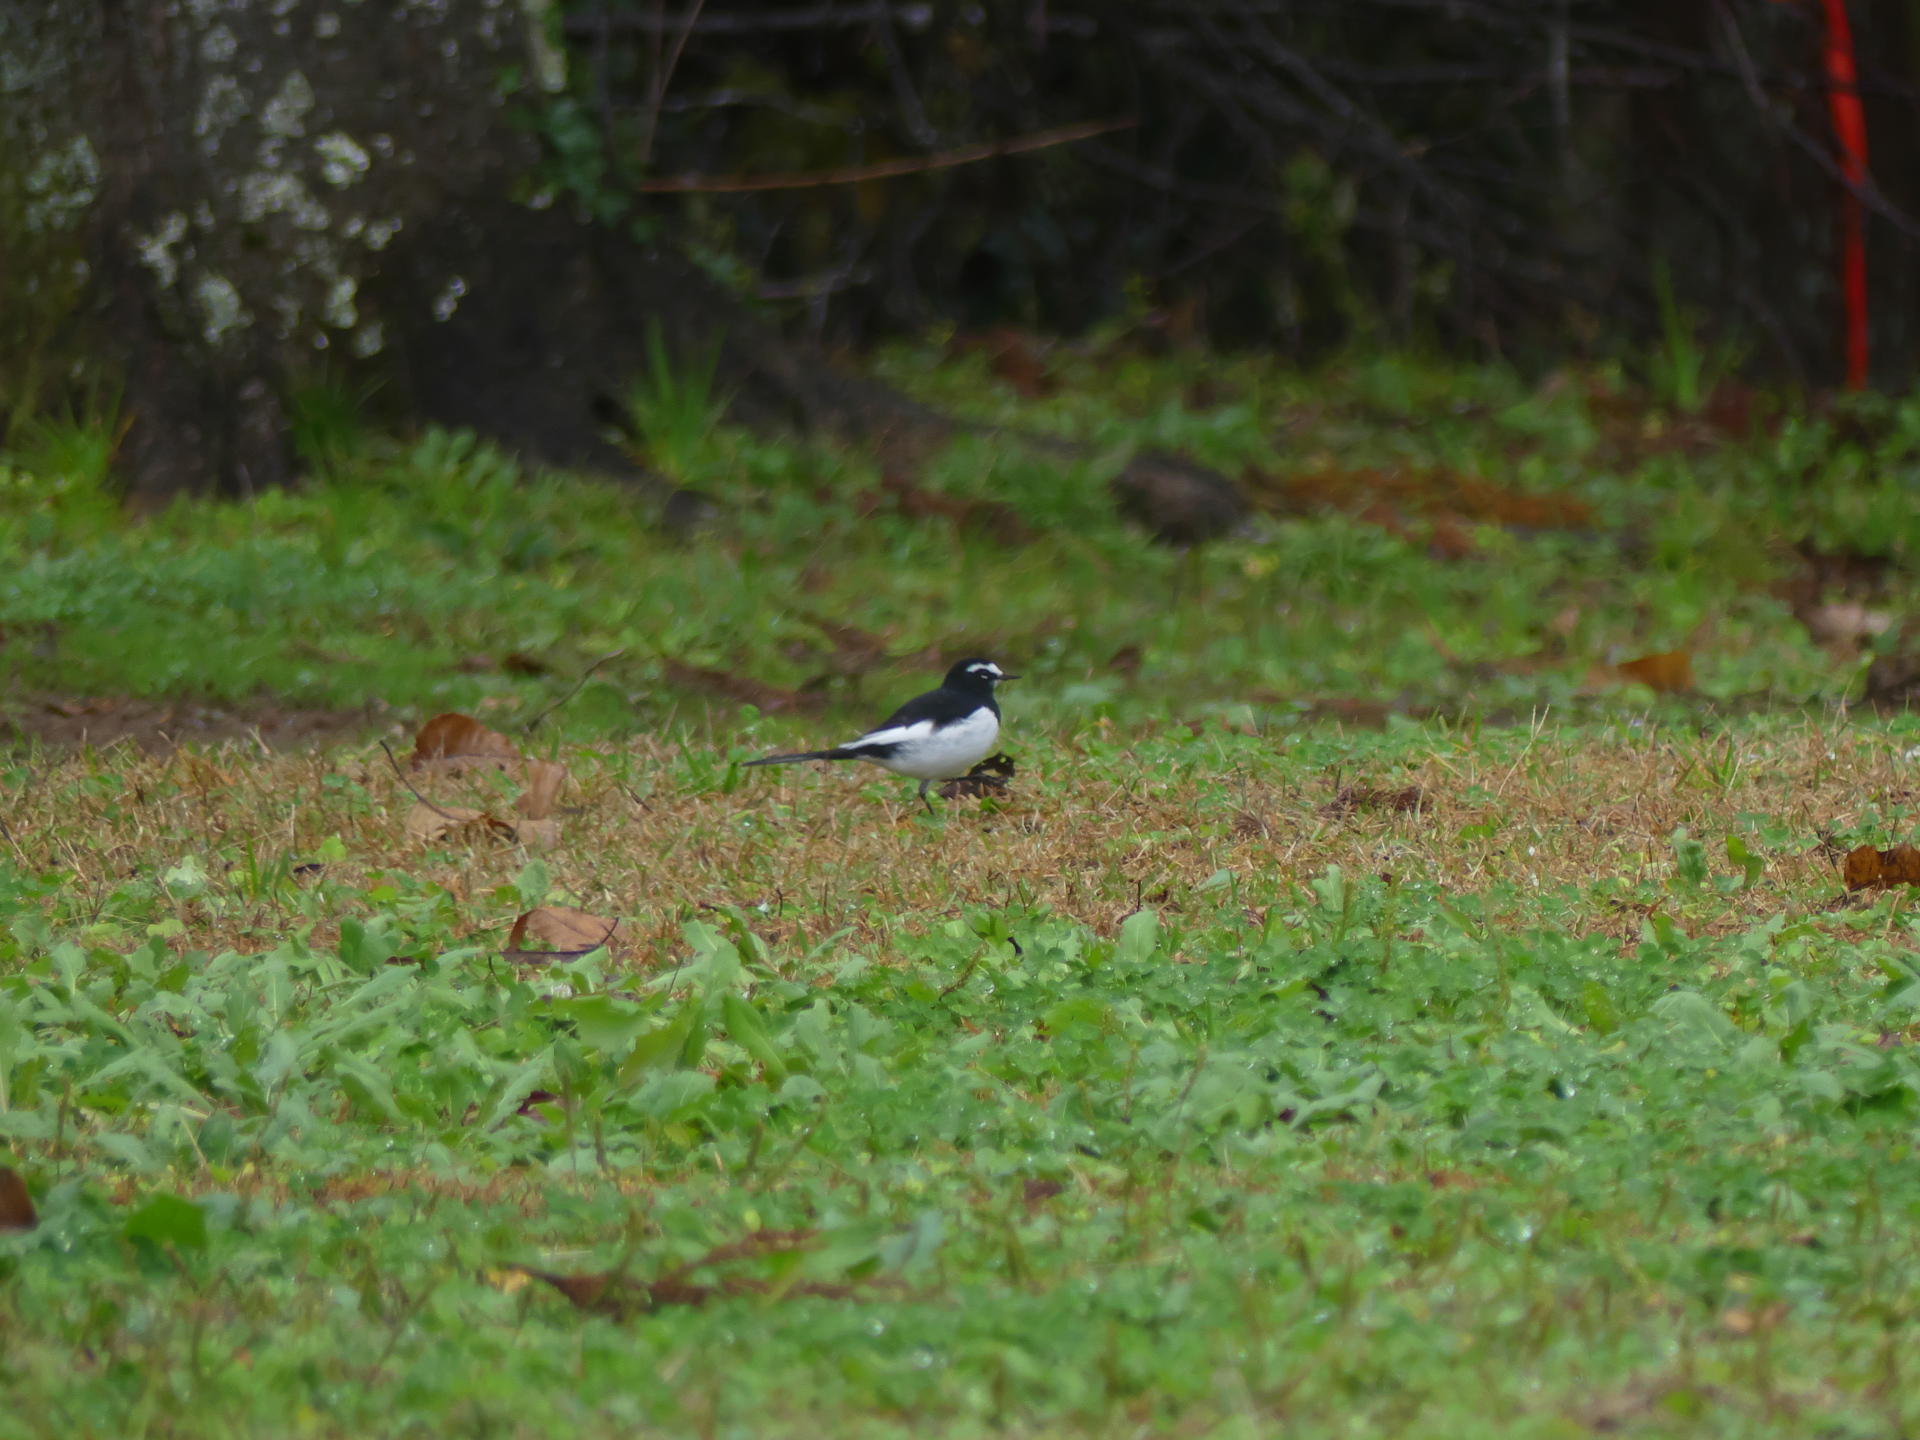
pixel 219 198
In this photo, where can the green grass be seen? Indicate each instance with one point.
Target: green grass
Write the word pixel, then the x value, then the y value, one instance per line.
pixel 1564 1120
pixel 1173 1094
pixel 401 568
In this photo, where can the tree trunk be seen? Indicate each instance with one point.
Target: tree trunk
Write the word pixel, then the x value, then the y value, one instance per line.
pixel 221 199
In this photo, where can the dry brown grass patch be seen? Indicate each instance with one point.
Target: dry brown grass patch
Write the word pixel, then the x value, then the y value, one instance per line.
pixel 817 852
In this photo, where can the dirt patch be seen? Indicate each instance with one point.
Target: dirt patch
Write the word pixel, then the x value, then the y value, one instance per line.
pixel 66 722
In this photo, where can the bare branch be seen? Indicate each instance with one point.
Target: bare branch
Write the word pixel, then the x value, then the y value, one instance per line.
pixel 854 174
pixel 820 17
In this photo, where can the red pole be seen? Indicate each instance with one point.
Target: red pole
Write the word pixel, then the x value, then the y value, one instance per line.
pixel 1850 128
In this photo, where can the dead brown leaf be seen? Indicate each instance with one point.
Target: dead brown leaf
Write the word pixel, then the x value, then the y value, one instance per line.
pixel 572 933
pixel 1866 867
pixel 1668 673
pixel 1037 1192
pixel 537 834
pixel 451 743
pixel 16 1205
pixel 428 823
pixel 535 1099
pixel 989 777
pixel 545 780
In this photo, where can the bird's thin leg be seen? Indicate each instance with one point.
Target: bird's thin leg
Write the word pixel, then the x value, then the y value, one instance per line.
pixel 923 796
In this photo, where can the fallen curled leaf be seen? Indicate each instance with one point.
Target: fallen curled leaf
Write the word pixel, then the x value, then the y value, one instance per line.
pixel 1668 673
pixel 535 1099
pixel 428 823
pixel 545 780
pixel 16 1205
pixel 1037 1192
pixel 538 829
pixel 537 834
pixel 1865 867
pixel 451 743
pixel 572 933
pixel 1862 867
pixel 989 777
pixel 604 1294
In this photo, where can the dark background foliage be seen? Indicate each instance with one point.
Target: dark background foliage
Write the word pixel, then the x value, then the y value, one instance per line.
pixel 1495 175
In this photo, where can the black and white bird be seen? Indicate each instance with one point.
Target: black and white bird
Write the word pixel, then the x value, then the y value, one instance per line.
pixel 936 736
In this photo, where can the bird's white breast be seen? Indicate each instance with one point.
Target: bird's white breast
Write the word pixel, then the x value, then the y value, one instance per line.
pixel 927 753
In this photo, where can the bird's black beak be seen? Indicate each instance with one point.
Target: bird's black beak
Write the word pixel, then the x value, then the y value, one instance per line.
pixel 1006 677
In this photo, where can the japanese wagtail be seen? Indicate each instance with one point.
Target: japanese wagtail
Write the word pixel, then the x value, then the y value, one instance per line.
pixel 936 736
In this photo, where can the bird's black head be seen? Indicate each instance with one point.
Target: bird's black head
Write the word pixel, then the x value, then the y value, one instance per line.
pixel 976 675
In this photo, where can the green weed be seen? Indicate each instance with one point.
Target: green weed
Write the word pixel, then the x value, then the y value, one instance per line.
pixel 675 411
pixel 1148 1125
pixel 412 572
pixel 1235 1073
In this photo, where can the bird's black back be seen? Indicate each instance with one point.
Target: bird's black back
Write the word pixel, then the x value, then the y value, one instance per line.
pixel 959 695
pixel 950 702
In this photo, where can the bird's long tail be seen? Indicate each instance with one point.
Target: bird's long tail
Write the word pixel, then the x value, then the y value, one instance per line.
pixel 799 755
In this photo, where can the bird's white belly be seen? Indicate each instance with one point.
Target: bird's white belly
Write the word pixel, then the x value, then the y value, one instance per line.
pixel 925 753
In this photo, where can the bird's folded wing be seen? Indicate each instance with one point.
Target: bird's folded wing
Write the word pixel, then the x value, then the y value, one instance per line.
pixel 889 736
pixel 925 708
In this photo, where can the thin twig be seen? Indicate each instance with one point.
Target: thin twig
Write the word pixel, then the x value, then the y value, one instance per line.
pixel 402 776
pixel 578 686
pixel 734 22
pixel 853 174
pixel 966 974
pixel 1864 189
pixel 602 36
pixel 662 76
pixel 909 98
